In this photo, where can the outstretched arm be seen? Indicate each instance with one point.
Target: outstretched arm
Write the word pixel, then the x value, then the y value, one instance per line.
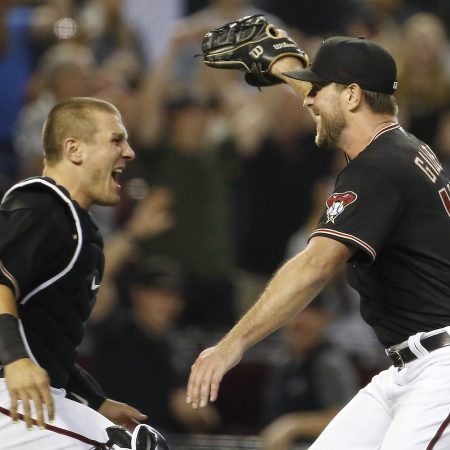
pixel 291 289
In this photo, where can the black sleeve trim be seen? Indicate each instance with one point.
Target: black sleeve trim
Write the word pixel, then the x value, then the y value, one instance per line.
pixel 85 388
pixel 353 240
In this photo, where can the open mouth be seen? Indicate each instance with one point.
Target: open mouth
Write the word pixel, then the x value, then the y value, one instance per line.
pixel 115 175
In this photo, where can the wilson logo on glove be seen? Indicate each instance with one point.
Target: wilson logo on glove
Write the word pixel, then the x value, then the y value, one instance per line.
pixel 256 52
pixel 284 45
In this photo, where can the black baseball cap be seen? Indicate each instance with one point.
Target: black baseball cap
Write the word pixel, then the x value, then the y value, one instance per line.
pixel 347 60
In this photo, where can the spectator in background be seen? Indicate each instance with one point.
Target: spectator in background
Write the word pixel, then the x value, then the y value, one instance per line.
pixel 308 388
pixel 424 74
pixel 101 24
pixel 138 306
pixel 192 165
pixel 149 218
pixel 278 166
pixel 138 356
pixel 303 15
pixel 183 148
pixel 113 41
pixel 400 10
pixel 153 22
pixel 118 54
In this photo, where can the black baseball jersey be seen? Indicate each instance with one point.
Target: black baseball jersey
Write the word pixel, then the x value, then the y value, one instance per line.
pixel 51 256
pixel 392 203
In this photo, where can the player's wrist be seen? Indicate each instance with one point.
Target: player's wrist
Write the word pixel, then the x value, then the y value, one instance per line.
pixel 12 347
pixel 287 64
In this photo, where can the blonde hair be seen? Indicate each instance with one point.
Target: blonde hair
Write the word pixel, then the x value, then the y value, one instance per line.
pixel 71 118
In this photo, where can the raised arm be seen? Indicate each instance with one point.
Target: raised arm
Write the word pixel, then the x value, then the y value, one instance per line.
pixel 257 48
pixel 287 64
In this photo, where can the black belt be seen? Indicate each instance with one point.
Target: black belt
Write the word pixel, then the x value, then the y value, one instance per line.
pixel 400 356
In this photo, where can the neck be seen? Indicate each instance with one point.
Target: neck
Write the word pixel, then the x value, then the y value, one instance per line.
pixel 68 181
pixel 361 132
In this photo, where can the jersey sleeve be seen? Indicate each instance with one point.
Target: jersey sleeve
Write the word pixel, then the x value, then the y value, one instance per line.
pixel 362 211
pixel 84 388
pixel 28 248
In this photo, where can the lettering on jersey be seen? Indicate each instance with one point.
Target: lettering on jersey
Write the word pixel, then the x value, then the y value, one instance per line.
pixel 337 202
pixel 428 163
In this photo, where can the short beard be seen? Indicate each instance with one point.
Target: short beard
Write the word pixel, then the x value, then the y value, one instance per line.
pixel 331 131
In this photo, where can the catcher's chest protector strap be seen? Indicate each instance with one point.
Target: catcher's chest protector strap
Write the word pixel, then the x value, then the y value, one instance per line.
pixel 51 186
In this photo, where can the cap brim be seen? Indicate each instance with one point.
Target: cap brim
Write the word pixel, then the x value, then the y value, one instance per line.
pixel 305 75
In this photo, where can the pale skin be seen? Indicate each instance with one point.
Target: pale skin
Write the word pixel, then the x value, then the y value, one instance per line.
pixel 86 167
pixel 85 170
pixel 343 118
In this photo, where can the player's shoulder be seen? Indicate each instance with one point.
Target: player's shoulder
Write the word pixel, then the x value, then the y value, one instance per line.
pixel 395 144
pixel 37 193
pixel 390 153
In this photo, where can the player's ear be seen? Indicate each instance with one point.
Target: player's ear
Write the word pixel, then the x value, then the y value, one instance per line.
pixel 72 150
pixel 353 96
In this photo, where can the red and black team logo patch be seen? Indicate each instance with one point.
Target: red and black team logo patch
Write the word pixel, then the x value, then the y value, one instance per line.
pixel 337 202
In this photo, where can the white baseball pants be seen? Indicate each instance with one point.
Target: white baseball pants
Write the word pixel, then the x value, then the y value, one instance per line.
pixel 74 428
pixel 400 409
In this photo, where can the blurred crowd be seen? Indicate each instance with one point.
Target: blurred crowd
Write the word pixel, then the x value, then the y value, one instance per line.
pixel 226 185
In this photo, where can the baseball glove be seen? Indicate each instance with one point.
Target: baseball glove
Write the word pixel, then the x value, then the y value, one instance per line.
pixel 252 45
